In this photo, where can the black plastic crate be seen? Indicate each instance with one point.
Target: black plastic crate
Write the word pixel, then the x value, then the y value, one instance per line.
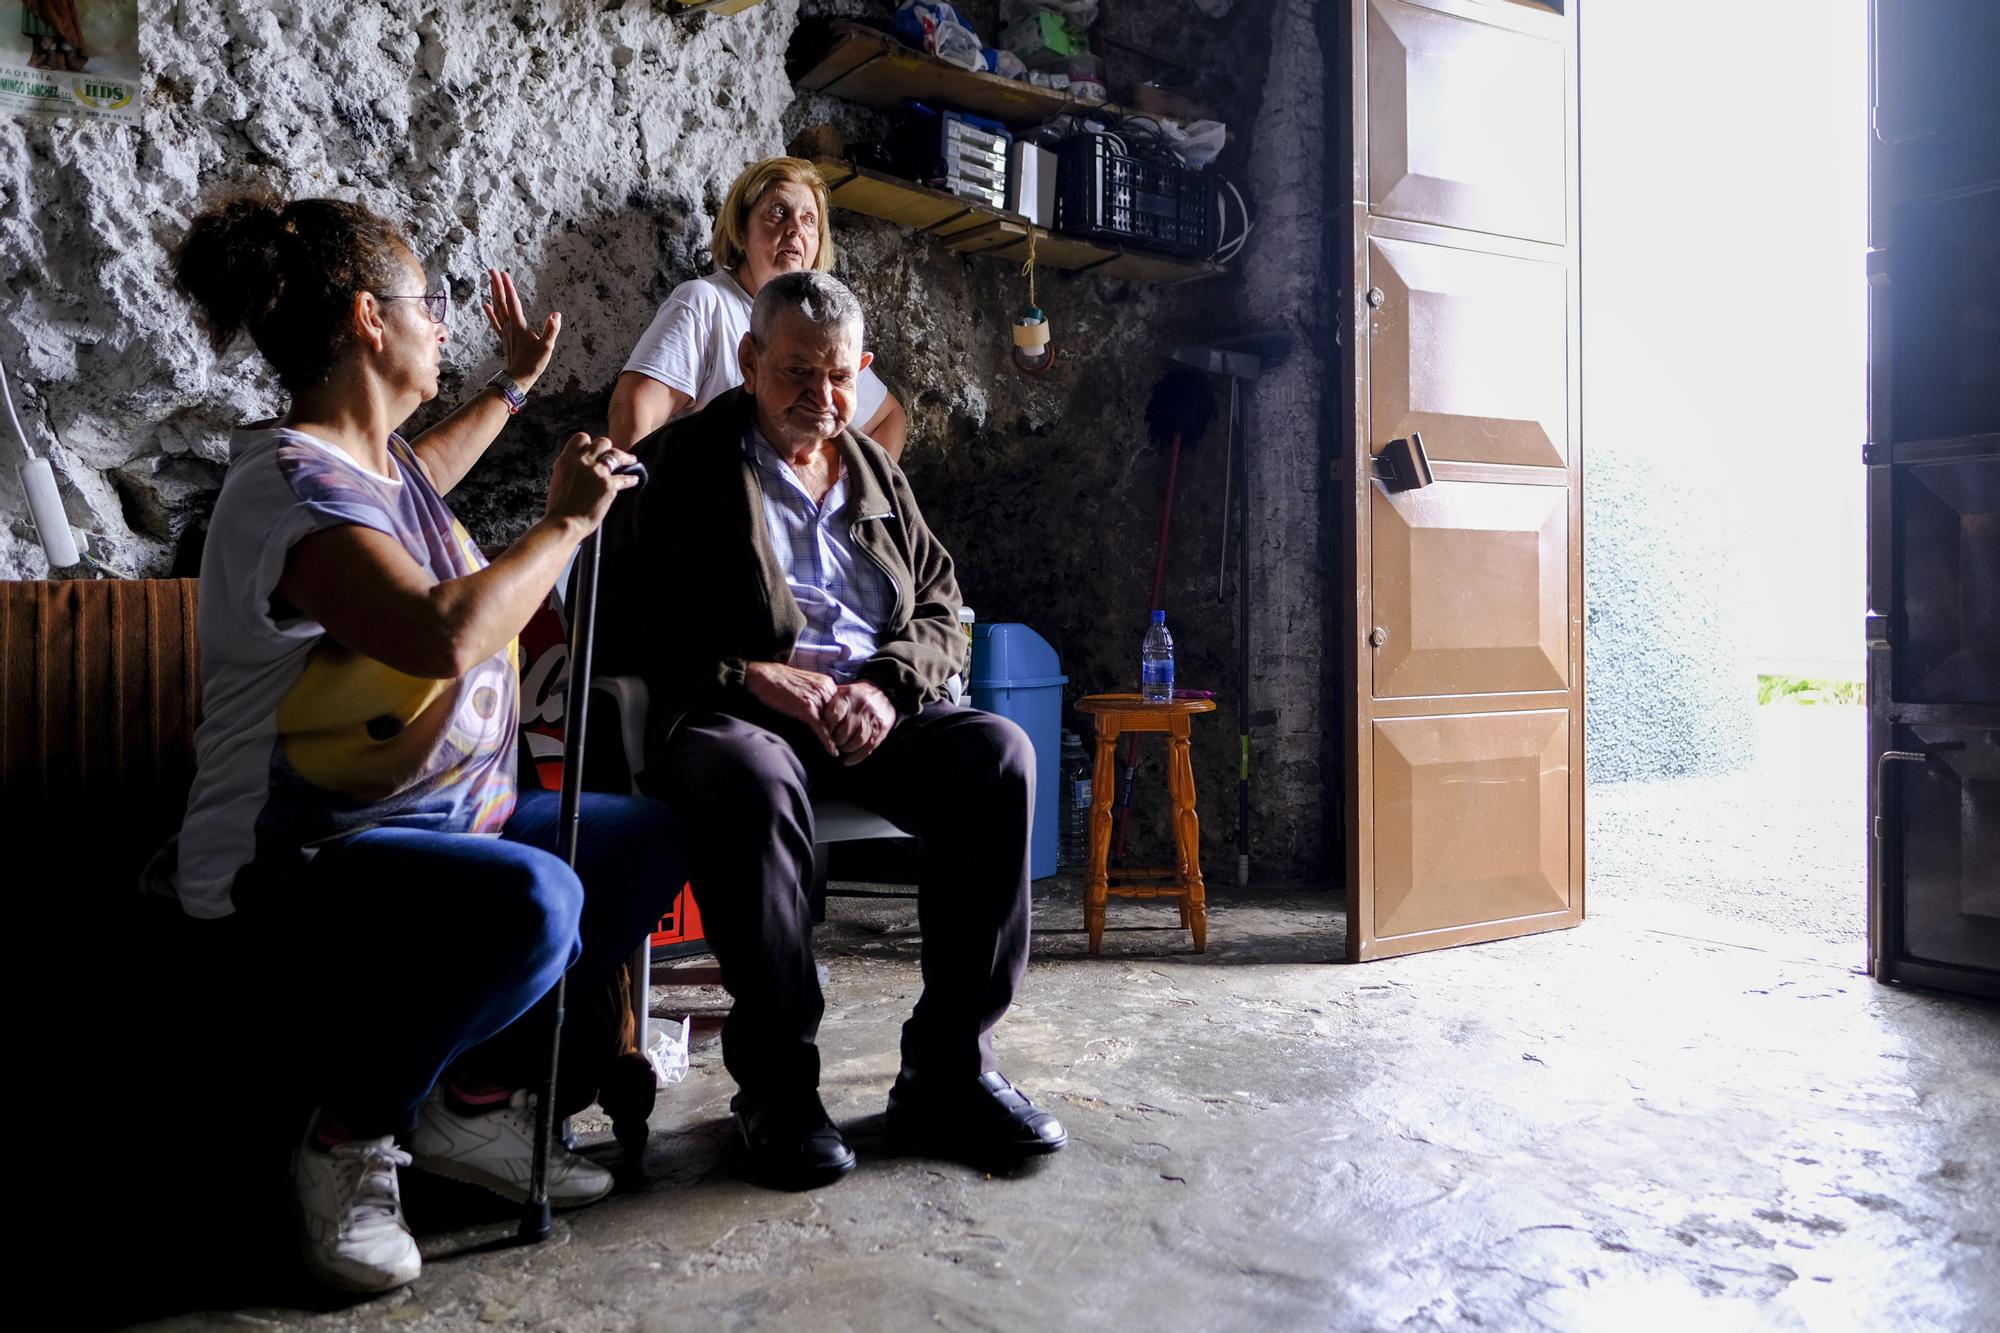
pixel 1107 196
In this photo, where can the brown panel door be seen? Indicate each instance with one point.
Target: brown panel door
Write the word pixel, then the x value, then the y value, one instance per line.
pixel 1463 660
pixel 1933 458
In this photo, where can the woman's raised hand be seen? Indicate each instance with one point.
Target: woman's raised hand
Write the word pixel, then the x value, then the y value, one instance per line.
pixel 584 481
pixel 523 351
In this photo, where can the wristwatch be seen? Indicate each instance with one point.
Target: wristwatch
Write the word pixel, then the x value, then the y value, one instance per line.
pixel 509 389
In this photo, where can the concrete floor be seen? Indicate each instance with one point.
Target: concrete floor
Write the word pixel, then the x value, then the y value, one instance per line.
pixel 1779 845
pixel 1621 1126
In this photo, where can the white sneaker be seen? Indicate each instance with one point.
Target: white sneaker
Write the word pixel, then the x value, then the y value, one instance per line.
pixel 496 1150
pixel 351 1215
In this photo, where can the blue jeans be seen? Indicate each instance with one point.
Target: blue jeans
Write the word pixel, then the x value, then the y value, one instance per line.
pixel 414 950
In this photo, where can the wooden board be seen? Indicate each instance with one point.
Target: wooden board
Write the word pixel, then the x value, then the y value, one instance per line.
pixel 973 228
pixel 994 234
pixel 1072 252
pixel 867 66
pixel 718 7
pixel 864 190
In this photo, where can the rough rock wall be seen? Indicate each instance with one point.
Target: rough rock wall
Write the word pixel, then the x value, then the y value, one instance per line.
pixel 578 143
pixel 585 145
pixel 1288 290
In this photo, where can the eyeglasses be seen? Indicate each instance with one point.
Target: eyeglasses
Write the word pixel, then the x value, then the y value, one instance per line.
pixel 437 304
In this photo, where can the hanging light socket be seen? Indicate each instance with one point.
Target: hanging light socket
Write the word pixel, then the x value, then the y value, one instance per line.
pixel 1032 351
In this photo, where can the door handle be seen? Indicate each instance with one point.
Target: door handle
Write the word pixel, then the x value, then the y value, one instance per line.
pixel 1882 763
pixel 1403 465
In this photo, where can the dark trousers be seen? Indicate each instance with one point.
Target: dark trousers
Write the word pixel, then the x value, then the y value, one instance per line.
pixel 961 780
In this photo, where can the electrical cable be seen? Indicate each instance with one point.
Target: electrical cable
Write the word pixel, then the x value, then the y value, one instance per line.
pixel 38 480
pixel 7 394
pixel 1227 247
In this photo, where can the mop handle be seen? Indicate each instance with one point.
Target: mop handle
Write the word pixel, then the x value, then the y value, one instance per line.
pixel 1159 580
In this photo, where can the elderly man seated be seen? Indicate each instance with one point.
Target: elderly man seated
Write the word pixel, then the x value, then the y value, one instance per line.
pixel 796 623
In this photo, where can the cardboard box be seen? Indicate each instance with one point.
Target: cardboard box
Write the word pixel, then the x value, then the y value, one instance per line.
pixel 1032 184
pixel 1044 40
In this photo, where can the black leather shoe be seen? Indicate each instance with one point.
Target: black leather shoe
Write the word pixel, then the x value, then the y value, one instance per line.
pixel 792 1142
pixel 986 1117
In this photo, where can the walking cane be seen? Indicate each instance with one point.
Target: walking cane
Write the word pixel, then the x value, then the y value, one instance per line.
pixel 535 1219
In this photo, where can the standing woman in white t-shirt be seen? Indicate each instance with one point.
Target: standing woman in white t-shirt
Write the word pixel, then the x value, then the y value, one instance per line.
pixel 774 221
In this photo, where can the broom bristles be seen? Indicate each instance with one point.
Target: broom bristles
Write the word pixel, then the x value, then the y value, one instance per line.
pixel 1183 403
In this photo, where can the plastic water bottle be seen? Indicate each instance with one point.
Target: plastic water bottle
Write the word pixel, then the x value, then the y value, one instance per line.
pixel 1156 662
pixel 1074 842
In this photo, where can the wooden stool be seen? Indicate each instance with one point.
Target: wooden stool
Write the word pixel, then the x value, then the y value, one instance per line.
pixel 1117 714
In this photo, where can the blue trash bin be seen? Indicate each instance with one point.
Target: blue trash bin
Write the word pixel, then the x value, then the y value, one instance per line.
pixel 1015 674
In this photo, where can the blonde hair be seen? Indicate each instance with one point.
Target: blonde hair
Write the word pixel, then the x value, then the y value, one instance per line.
pixel 732 221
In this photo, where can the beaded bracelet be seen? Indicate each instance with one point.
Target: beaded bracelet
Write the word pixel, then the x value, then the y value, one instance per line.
pixel 515 396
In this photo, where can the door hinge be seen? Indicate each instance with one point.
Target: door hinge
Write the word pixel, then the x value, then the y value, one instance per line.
pixel 1875 629
pixel 1874 455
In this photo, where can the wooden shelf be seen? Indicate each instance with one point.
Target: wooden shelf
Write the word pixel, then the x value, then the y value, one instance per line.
pixel 976 229
pixel 868 66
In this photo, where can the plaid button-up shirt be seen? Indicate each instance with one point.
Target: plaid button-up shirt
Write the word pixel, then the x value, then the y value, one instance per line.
pixel 845 596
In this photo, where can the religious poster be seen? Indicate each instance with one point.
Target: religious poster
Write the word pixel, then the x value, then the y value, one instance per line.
pixel 70 57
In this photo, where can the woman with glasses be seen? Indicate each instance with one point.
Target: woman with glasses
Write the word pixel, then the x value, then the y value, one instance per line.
pixel 773 221
pixel 354 805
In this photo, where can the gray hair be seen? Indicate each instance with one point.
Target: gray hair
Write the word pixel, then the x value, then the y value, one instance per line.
pixel 817 297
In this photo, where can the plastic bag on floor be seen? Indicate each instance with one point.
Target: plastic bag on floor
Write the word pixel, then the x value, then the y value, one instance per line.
pixel 667 1049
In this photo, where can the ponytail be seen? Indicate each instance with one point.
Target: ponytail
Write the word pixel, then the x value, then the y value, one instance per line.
pixel 286 273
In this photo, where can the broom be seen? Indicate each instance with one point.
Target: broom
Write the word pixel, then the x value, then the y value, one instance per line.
pixel 1177 415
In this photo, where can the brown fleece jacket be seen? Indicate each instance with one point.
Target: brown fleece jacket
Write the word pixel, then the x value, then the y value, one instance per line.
pixel 693 591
